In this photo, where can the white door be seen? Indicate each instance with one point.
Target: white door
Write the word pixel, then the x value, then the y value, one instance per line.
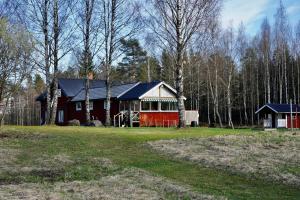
pixel 60 116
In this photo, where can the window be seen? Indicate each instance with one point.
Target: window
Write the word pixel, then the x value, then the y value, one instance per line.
pixel 145 105
pixel 173 106
pixel 168 105
pixel 60 116
pixel 154 105
pixel 164 105
pixel 105 104
pixel 91 105
pixel 78 106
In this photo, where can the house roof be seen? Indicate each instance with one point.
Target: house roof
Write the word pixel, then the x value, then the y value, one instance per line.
pixel 280 108
pixel 100 93
pixel 75 89
pixel 70 87
pixel 138 90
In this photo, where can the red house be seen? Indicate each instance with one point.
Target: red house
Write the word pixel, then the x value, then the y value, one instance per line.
pixel 138 104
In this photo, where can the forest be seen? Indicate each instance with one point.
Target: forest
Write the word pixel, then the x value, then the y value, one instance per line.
pixel 224 73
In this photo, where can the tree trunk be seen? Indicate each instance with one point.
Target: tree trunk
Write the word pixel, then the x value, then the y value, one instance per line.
pixel 179 65
pixel 55 63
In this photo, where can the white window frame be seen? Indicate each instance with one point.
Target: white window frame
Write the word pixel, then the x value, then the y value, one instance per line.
pixel 91 105
pixel 104 105
pixel 78 106
pixel 61 116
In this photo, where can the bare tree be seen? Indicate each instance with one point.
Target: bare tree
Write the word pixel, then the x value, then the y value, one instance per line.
pixel 120 21
pixel 175 23
pixel 15 53
pixel 265 48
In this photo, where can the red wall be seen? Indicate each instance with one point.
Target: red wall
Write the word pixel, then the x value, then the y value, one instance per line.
pixel 296 122
pixel 97 113
pixel 159 118
pixel 69 108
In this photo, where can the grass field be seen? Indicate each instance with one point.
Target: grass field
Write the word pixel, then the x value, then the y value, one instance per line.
pixel 109 163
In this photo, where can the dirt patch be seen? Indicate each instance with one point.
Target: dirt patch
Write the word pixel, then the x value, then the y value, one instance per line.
pixel 269 156
pixel 128 184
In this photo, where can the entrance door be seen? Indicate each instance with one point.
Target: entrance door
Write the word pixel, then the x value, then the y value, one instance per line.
pixel 60 116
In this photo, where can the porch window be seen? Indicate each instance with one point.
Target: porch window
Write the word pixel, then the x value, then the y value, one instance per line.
pixel 154 105
pixel 173 106
pixel 78 106
pixel 168 106
pixel 164 105
pixel 145 105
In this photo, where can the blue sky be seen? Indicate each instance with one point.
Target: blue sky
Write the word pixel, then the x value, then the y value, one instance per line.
pixel 252 12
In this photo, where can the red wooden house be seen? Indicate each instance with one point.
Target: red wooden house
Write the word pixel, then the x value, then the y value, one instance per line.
pixel 139 104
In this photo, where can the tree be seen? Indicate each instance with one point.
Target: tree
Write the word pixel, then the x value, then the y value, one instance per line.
pixel 281 31
pixel 39 84
pixel 15 53
pixel 175 23
pixel 134 57
pixel 121 21
pixel 265 48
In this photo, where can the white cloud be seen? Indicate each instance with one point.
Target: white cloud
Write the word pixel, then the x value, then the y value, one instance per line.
pixel 247 11
pixel 293 9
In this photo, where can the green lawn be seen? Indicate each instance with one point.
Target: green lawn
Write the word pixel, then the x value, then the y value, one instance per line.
pixel 126 148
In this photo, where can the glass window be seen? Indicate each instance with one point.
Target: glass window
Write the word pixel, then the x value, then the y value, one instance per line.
pixel 145 105
pixel 154 105
pixel 173 105
pixel 78 106
pixel 164 105
pixel 91 105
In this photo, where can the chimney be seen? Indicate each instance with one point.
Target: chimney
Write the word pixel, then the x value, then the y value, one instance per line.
pixel 91 76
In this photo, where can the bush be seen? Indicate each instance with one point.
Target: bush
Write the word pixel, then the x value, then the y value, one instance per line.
pixel 74 122
pixel 96 123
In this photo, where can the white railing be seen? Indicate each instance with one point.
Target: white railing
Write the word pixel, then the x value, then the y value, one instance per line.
pixel 281 123
pixel 267 123
pixel 119 118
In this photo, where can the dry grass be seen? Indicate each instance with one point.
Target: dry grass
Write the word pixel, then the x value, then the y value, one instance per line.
pixel 128 184
pixel 268 155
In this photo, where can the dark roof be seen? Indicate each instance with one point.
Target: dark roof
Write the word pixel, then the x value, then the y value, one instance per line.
pixel 280 108
pixel 100 93
pixel 70 87
pixel 139 90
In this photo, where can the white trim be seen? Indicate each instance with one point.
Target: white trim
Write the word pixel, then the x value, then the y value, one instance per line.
pixel 264 107
pixel 128 89
pixel 158 85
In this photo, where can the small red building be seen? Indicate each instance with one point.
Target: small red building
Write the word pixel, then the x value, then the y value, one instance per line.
pixel 279 115
pixel 138 104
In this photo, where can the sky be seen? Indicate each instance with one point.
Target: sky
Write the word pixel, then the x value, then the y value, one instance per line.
pixel 252 13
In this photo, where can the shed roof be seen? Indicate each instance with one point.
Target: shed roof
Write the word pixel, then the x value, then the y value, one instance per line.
pixel 139 90
pixel 280 108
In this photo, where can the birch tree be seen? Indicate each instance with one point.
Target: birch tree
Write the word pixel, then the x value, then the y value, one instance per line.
pixel 120 22
pixel 175 23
